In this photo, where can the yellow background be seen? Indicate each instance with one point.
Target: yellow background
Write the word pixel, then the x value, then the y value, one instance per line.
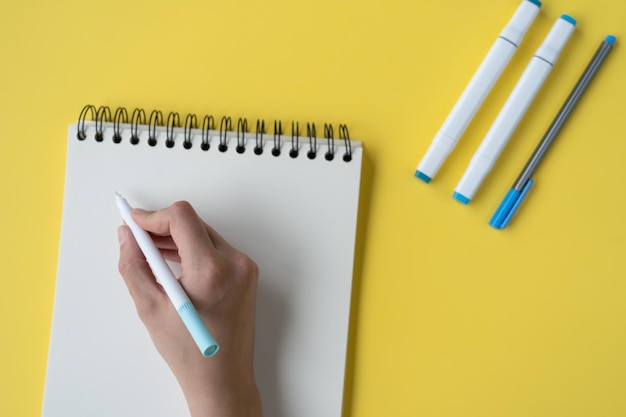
pixel 450 317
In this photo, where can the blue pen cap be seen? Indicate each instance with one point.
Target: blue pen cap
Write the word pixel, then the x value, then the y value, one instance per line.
pixel 199 332
pixel 509 206
pixel 504 209
pixel 422 176
pixel 460 198
pixel 569 19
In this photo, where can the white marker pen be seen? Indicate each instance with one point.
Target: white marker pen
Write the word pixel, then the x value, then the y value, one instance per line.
pixel 514 109
pixel 164 275
pixel 479 86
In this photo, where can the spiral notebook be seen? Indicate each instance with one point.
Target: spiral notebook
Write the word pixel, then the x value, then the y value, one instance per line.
pixel 287 199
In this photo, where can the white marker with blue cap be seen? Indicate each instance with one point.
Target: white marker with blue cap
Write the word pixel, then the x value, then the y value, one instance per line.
pixel 476 91
pixel 164 275
pixel 518 192
pixel 514 109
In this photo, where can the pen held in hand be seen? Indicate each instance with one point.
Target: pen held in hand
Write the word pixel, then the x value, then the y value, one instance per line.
pixel 164 275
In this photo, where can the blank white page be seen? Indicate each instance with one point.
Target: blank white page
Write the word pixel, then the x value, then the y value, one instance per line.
pixel 295 217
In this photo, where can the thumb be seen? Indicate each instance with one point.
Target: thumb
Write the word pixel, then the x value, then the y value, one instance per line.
pixel 140 281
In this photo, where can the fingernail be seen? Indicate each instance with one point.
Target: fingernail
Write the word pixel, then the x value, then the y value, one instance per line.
pixel 139 214
pixel 121 234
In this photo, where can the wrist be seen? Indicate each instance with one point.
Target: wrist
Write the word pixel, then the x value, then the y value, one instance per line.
pixel 242 400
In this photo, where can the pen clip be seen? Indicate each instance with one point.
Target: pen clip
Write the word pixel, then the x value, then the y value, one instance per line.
pixel 510 204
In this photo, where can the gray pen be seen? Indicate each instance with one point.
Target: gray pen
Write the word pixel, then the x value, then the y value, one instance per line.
pixel 518 192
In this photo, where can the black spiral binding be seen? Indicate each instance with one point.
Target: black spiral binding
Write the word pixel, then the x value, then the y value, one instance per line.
pixel 102 115
pixel 278 132
pixel 310 132
pixel 225 126
pixel 191 122
pixel 242 129
pixel 295 134
pixel 138 118
pixel 258 137
pixel 173 120
pixel 156 119
pixel 121 116
pixel 207 125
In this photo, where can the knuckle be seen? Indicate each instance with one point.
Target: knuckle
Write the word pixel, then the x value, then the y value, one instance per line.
pixel 147 309
pixel 210 275
pixel 218 276
pixel 182 209
pixel 226 272
pixel 245 267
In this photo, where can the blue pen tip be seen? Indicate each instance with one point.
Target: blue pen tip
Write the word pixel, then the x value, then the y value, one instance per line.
pixel 568 18
pixel 460 198
pixel 610 39
pixel 422 176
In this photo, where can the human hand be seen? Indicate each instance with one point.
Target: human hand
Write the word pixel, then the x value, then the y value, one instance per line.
pixel 221 283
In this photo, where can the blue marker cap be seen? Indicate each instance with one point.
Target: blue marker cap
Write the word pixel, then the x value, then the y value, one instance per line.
pixel 509 206
pixel 200 334
pixel 568 18
pixel 460 198
pixel 537 2
pixel 422 176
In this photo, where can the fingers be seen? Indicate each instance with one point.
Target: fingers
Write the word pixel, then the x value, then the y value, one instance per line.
pixel 181 222
pixel 164 242
pixel 170 255
pixel 183 237
pixel 167 247
pixel 142 286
